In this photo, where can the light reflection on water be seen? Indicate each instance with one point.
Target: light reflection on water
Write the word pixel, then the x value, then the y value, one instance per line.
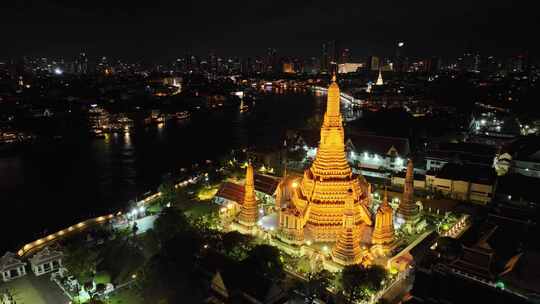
pixel 58 183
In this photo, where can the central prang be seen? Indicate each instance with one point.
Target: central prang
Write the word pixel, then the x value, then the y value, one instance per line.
pixel 330 203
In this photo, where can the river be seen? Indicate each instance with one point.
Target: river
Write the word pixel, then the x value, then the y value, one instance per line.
pixel 56 183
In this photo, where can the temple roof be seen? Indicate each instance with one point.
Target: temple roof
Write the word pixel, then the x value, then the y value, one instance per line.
pixel 470 173
pixel 266 184
pixel 380 144
pixel 46 255
pixel 231 191
pixel 235 192
pixel 361 142
pixel 523 271
pixel 10 261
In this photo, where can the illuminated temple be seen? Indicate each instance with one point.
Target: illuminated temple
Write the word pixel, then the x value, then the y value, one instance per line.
pixel 408 210
pixel 383 233
pixel 313 208
pixel 249 212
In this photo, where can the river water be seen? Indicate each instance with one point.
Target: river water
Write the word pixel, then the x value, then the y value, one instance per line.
pixel 56 183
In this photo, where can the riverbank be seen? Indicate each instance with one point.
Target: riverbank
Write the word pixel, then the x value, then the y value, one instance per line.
pixel 62 182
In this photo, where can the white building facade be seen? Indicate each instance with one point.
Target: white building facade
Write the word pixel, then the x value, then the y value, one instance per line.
pixel 45 261
pixel 11 267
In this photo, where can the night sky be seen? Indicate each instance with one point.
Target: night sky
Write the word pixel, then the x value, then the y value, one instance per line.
pixel 159 29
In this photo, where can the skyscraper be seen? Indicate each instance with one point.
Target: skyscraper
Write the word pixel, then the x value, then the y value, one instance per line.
pixel 400 61
pixel 333 53
pixel 271 64
pixel 82 64
pixel 373 63
pixel 345 55
pixel 324 58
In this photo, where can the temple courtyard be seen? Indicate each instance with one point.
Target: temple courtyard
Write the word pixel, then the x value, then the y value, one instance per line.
pixel 35 290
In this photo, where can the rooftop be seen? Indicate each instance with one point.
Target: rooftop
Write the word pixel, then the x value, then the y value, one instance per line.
pixel 525 148
pixel 470 173
pixel 10 261
pixel 361 142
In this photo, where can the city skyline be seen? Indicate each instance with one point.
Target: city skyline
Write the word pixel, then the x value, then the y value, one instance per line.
pixel 269 152
pixel 163 29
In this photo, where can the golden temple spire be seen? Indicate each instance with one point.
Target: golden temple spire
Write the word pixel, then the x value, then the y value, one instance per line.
pixel 347 249
pixel 331 158
pixel 249 212
pixel 408 210
pixel 383 233
pixel 379 79
pixel 329 193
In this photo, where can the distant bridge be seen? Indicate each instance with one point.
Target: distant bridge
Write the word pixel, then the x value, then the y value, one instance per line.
pixel 349 100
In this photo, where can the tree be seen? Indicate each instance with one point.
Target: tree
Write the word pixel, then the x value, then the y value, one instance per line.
pixel 236 245
pixel 351 281
pixel 168 192
pixel 316 284
pixel 169 223
pixel 359 283
pixel 266 260
pixel 171 273
pixel 81 261
pixel 374 277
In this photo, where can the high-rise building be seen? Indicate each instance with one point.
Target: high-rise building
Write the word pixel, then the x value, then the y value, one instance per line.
pixel 433 65
pixel 518 63
pixel 491 65
pixel 469 62
pixel 103 66
pixel 288 67
pixel 271 62
pixel 333 53
pixel 400 60
pixel 212 61
pixel 324 58
pixel 329 57
pixel 373 63
pixel 312 66
pixel 82 64
pixel 345 56
pixel 246 66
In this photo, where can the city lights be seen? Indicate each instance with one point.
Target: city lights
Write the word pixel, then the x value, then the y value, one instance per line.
pixel 262 165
